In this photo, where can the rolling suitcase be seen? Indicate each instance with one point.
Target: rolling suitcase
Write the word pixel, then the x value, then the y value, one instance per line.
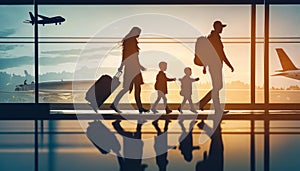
pixel 102 89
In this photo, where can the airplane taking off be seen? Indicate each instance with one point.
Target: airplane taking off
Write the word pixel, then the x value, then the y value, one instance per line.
pixel 288 68
pixel 55 90
pixel 57 86
pixel 45 20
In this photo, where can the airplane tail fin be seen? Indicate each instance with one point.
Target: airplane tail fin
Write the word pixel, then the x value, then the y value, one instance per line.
pixel 285 61
pixel 32 18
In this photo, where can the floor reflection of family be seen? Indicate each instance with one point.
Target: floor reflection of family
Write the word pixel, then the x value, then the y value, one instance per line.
pixel 209 53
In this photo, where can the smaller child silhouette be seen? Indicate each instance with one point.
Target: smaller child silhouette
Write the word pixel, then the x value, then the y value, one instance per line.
pixel 161 87
pixel 186 89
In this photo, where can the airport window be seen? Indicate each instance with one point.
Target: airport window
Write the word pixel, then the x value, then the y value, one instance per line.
pixel 62 42
pixel 16 55
pixel 259 55
pixel 43 130
pixel 67 37
pixel 57 62
pixel 285 46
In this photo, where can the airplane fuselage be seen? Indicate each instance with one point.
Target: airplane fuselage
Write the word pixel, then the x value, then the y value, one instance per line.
pixel 58 86
pixel 44 19
pixel 53 20
pixel 294 74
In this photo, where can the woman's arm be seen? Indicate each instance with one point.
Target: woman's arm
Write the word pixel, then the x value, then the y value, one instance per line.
pixel 142 68
pixel 121 67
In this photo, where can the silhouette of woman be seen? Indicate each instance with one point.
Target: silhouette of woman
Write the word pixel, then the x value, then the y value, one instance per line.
pixel 132 148
pixel 132 70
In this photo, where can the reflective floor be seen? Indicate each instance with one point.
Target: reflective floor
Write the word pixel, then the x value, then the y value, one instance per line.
pixel 234 146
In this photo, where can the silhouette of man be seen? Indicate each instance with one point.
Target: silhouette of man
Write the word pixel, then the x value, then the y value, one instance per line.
pixel 215 68
pixel 215 159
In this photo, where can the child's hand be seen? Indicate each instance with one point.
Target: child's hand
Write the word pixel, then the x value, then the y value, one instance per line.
pixel 174 79
pixel 197 79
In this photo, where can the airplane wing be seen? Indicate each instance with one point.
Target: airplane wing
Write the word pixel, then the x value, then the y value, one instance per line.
pixel 54 95
pixel 18 92
pixel 27 21
pixel 43 17
pixel 58 92
pixel 61 92
pixel 280 74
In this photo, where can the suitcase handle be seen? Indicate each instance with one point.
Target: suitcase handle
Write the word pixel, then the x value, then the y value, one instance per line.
pixel 118 74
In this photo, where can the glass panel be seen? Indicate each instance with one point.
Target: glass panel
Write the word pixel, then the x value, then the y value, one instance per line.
pixel 259 73
pixel 284 79
pixel 16 145
pixel 57 65
pixel 16 55
pixel 259 152
pixel 259 57
pixel 107 25
pixel 284 152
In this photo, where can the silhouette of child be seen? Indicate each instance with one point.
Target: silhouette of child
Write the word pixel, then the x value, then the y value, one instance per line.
pixel 186 89
pixel 161 87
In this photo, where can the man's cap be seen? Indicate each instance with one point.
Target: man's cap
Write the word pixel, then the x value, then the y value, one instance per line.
pixel 219 24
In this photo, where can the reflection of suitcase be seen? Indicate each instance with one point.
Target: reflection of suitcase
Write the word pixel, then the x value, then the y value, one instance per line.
pixel 102 89
pixel 103 139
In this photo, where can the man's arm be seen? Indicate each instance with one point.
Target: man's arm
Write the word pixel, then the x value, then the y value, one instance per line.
pixel 222 54
pixel 225 58
pixel 227 62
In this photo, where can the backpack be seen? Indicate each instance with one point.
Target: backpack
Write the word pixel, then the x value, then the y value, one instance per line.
pixel 197 60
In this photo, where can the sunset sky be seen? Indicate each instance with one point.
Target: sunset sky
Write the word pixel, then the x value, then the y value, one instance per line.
pixel 170 22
